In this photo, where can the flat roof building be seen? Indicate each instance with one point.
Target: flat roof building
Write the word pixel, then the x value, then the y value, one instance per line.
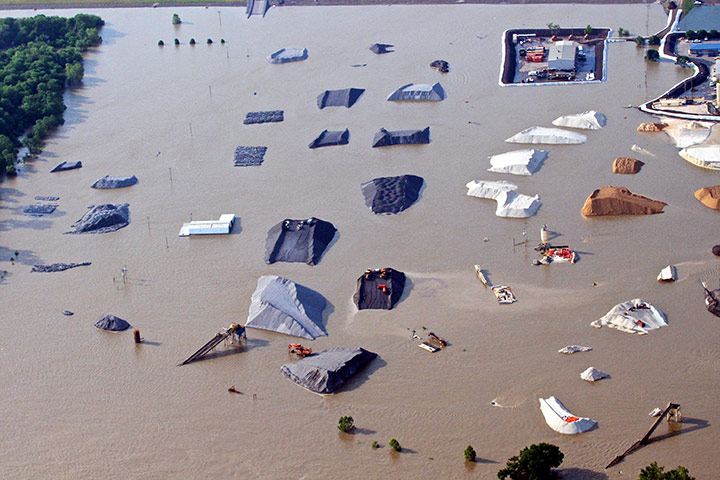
pixel 700 49
pixel 208 227
pixel 562 56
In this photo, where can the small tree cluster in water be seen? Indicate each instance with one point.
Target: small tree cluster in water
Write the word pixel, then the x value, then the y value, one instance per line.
pixel 39 56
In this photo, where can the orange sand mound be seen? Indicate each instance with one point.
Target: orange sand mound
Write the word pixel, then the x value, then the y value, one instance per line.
pixel 609 200
pixel 709 196
pixel 627 165
pixel 652 127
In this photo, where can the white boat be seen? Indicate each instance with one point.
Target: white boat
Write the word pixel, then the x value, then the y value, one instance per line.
pixel 428 347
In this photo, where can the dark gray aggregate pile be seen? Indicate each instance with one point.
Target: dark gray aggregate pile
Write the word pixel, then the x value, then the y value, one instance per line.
pixel 61 167
pixel 112 323
pixel 371 294
pixel 115 182
pixel 249 156
pixel 326 371
pixel 298 241
pixel 40 209
pixel 264 117
pixel 103 219
pixel 57 267
pixel 388 195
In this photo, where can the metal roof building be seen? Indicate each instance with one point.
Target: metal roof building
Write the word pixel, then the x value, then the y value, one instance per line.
pixel 562 56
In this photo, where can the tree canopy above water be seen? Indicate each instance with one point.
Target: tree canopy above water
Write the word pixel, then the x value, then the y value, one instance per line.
pixel 39 56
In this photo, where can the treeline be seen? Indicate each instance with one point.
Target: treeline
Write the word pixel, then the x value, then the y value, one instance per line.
pixel 39 57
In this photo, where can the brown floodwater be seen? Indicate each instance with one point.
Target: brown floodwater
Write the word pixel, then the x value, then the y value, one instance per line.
pixel 77 402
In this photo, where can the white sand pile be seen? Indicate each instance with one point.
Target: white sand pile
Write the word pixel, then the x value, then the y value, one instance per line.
pixel 551 136
pixel 570 349
pixel 591 120
pixel 633 316
pixel 509 203
pixel 518 162
pixel 592 374
pixel 686 134
pixel 705 157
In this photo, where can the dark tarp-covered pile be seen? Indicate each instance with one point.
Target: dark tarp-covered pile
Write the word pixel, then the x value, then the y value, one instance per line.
pixel 328 138
pixel 112 323
pixel 386 138
pixel 115 182
pixel 103 219
pixel 386 195
pixel 249 156
pixel 380 48
pixel 329 369
pixel 339 98
pixel 298 241
pixel 264 117
pixel 61 167
pixel 712 300
pixel 283 306
pixel 379 289
pixel 286 55
pixel 416 92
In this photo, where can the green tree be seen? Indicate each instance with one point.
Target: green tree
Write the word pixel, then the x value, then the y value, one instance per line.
pixel 691 35
pixel 687 5
pixel 553 27
pixel 209 41
pixel 192 41
pixel 177 42
pixel 682 60
pixel 346 424
pixel 652 55
pixel 176 19
pixel 160 43
pixel 702 33
pixel 653 40
pixel 533 463
pixel 640 41
pixel 588 29
pixel 470 454
pixel 395 445
pixel 74 73
pixel 655 472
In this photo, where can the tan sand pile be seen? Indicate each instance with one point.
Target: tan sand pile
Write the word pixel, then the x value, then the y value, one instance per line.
pixel 627 165
pixel 709 196
pixel 609 200
pixel 652 127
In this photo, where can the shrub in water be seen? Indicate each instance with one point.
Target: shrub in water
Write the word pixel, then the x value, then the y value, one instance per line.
pixel 395 445
pixel 346 424
pixel 470 454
